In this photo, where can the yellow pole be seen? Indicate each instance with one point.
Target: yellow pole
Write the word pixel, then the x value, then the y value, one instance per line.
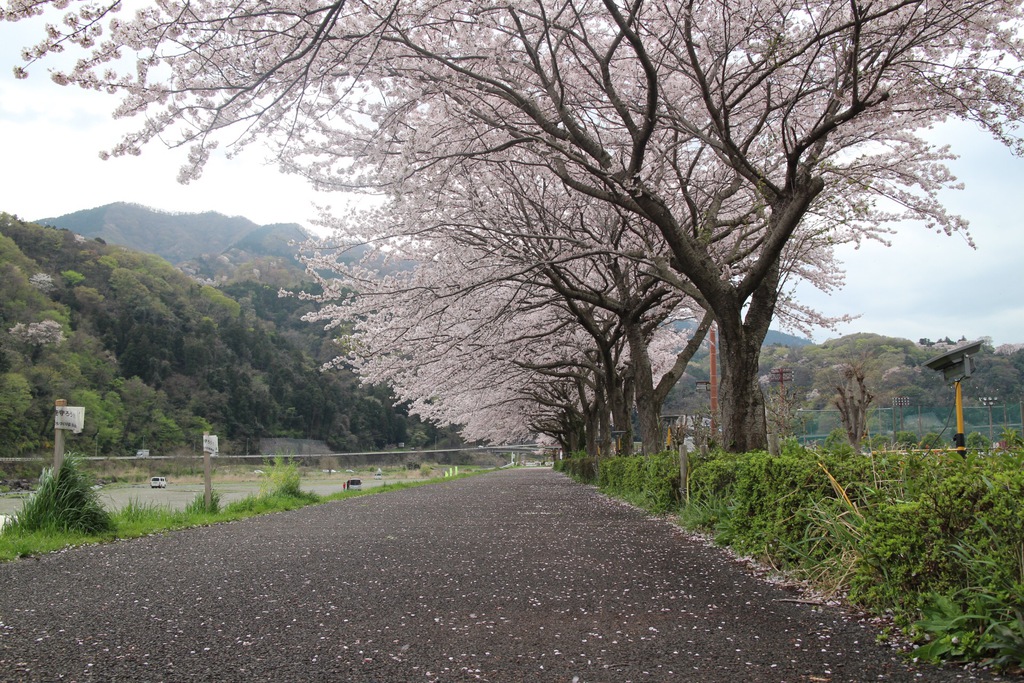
pixel 959 441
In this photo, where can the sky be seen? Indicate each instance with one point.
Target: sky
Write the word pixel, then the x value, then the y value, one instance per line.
pixel 923 286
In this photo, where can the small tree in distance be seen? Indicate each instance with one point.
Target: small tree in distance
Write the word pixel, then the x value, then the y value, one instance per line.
pixel 853 400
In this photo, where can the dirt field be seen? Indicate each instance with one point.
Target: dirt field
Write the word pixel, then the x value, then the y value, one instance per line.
pixel 232 485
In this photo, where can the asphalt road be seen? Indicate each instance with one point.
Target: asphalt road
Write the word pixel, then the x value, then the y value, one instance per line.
pixel 513 576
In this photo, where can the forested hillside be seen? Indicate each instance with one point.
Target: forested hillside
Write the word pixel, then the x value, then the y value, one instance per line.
pixel 156 358
pixel 891 367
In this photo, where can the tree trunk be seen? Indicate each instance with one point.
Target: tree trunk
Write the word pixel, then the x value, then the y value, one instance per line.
pixel 648 407
pixel 742 403
pixel 620 391
pixel 740 336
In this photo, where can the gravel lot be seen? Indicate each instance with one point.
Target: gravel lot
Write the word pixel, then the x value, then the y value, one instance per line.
pixel 179 494
pixel 512 576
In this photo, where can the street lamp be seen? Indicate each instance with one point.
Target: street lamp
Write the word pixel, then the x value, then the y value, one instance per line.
pixel 900 402
pixel 957 364
pixel 989 401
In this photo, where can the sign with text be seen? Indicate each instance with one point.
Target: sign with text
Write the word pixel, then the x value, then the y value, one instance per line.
pixel 69 417
pixel 210 444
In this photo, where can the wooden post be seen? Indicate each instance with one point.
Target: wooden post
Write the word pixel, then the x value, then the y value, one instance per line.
pixel 713 359
pixel 58 441
pixel 684 473
pixel 208 489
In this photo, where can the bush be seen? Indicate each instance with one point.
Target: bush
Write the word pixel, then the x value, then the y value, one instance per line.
pixel 198 504
pixel 282 478
pixel 935 539
pixel 913 549
pixel 65 503
pixel 652 482
pixel 582 469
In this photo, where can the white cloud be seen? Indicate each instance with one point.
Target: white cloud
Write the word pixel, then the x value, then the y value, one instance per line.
pixel 53 136
pixel 934 286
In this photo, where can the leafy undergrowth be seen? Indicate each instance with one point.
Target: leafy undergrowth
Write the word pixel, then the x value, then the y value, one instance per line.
pixel 934 540
pixel 47 522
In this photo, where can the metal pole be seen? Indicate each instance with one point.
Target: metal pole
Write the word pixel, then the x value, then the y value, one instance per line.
pixel 988 402
pixel 959 441
pixel 990 425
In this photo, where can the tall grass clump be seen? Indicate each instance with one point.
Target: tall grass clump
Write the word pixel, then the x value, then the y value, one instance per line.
pixel 279 490
pixel 198 504
pixel 65 503
pixel 280 477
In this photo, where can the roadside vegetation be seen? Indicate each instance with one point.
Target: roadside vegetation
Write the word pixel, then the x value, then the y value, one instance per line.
pixel 65 510
pixel 935 541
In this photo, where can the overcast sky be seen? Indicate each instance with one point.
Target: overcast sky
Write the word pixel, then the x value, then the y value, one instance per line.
pixel 925 285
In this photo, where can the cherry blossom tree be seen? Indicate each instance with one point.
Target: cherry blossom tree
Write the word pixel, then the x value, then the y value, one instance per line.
pixel 733 128
pixel 495 359
pixel 37 335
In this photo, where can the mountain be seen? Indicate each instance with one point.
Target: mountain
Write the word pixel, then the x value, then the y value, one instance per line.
pixel 208 246
pixel 773 338
pixel 776 338
pixel 176 237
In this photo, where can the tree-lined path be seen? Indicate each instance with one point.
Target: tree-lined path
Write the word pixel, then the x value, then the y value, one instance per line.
pixel 512 576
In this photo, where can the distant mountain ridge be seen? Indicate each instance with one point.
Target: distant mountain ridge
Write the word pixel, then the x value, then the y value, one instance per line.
pixel 208 246
pixel 215 248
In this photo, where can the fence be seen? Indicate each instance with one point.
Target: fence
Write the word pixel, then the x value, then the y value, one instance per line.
pixel 815 425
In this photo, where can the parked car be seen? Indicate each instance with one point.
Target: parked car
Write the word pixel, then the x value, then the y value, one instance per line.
pixel 158 483
pixel 354 484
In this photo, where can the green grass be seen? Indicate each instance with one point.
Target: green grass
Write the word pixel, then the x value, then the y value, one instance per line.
pixel 63 504
pixel 136 519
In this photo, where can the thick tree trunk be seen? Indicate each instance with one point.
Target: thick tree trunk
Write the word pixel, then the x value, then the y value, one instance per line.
pixel 620 390
pixel 648 407
pixel 740 335
pixel 742 403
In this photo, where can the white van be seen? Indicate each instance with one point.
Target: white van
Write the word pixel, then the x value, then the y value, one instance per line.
pixel 158 483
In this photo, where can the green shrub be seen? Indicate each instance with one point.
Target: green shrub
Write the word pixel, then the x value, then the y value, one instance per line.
pixel 933 538
pixel 282 478
pixel 65 503
pixel 198 504
pixel 910 548
pixel 582 469
pixel 652 482
pixel 906 439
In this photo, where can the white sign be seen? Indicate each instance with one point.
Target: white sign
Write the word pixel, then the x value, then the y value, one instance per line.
pixel 210 444
pixel 69 417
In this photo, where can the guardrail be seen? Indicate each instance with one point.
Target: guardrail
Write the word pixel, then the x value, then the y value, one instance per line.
pixel 515 448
